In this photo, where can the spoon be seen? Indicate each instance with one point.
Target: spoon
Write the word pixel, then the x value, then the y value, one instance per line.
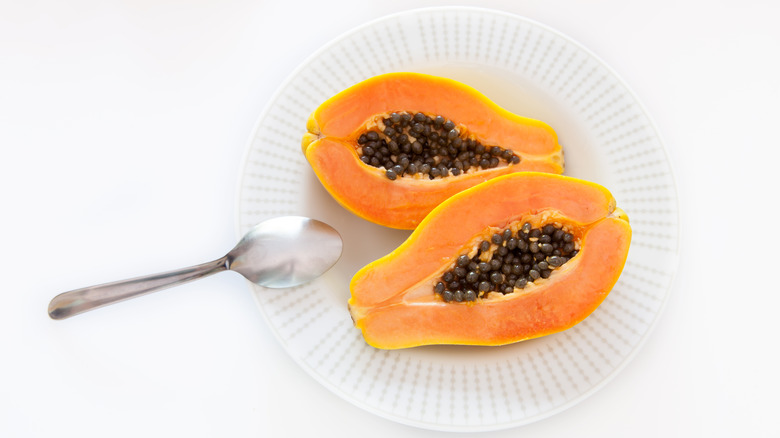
pixel 277 253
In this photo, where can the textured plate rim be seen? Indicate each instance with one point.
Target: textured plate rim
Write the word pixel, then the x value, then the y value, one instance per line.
pixel 674 264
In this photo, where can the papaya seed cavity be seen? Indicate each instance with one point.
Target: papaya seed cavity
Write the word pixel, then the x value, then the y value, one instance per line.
pixel 421 145
pixel 507 261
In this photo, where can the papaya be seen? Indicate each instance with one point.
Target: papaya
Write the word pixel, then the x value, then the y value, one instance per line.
pixel 516 257
pixel 393 147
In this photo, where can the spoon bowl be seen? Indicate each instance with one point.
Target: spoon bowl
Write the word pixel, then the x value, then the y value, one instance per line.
pixel 285 252
pixel 280 252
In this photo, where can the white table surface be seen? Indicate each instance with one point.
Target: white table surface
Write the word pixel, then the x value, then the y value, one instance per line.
pixel 123 126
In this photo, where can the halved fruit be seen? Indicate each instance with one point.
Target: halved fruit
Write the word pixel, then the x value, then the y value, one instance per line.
pixel 395 146
pixel 444 286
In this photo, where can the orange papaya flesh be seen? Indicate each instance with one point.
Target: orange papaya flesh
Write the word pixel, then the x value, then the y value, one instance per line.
pixel 335 145
pixel 393 300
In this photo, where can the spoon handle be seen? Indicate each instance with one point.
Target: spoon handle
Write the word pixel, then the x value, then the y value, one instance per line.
pixel 77 301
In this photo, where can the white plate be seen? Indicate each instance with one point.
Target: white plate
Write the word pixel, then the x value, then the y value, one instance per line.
pixel 607 137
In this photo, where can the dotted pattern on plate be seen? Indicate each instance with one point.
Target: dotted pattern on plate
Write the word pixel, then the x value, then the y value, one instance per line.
pixel 450 387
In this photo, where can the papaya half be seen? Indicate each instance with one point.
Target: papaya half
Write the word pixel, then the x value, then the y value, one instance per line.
pixel 517 257
pixel 393 147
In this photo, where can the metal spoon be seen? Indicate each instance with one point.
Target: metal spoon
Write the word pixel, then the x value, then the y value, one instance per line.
pixel 277 253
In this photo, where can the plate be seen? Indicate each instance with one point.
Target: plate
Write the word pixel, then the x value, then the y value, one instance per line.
pixel 608 138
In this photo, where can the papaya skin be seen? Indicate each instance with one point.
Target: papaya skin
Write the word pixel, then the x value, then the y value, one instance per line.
pixel 393 301
pixel 330 145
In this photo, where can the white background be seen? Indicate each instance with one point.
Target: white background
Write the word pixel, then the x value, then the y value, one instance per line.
pixel 122 129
